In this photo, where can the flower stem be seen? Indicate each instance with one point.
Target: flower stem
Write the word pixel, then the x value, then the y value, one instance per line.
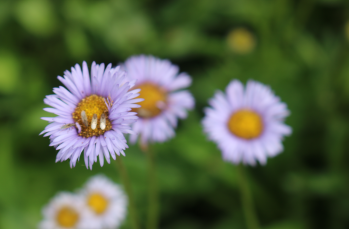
pixel 153 204
pixel 247 204
pixel 304 10
pixel 126 181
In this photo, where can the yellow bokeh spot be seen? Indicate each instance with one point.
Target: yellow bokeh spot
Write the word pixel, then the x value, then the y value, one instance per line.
pixel 98 203
pixel 154 100
pixel 241 41
pixel 346 30
pixel 92 104
pixel 246 124
pixel 67 217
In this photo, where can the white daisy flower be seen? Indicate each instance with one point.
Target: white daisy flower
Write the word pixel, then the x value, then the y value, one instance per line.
pixel 67 211
pixel 164 102
pixel 247 124
pixel 106 201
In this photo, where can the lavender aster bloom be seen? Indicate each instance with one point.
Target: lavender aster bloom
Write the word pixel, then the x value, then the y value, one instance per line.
pixel 164 101
pixel 93 114
pixel 247 124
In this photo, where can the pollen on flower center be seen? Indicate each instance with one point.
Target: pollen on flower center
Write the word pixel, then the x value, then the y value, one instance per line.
pixel 92 116
pixel 246 124
pixel 155 99
pixel 67 217
pixel 98 203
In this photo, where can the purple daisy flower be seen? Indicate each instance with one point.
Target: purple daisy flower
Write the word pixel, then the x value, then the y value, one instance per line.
pixel 247 124
pixel 93 114
pixel 163 103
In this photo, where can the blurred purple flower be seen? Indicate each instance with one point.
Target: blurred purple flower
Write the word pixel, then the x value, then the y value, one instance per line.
pixel 247 124
pixel 163 104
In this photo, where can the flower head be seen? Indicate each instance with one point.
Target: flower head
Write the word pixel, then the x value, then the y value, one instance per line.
pixel 247 124
pixel 241 41
pixel 163 103
pixel 67 211
pixel 106 201
pixel 93 113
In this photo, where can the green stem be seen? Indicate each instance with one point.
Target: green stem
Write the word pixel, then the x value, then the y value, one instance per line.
pixel 246 199
pixel 153 205
pixel 305 9
pixel 126 181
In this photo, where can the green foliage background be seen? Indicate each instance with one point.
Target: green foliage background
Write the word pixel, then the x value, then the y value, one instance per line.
pixel 301 52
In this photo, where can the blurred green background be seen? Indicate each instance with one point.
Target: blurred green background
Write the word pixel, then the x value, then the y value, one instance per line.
pixel 301 51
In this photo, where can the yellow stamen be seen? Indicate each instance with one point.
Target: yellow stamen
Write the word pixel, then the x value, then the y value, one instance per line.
pixel 98 203
pixel 241 41
pixel 67 217
pixel 246 124
pixel 92 105
pixel 155 99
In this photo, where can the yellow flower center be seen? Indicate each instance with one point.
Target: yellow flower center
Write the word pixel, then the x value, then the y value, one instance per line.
pixel 98 203
pixel 154 100
pixel 241 41
pixel 67 217
pixel 92 115
pixel 246 124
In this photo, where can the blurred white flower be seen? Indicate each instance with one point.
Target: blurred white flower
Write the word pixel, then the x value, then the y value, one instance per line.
pixel 106 201
pixel 67 211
